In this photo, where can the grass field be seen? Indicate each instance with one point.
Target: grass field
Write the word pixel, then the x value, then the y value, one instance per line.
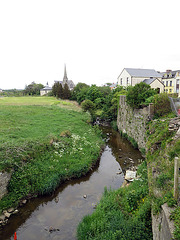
pixel 44 142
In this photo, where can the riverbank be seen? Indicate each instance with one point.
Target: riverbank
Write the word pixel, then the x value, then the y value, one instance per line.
pixel 43 145
pixel 162 145
pixel 121 214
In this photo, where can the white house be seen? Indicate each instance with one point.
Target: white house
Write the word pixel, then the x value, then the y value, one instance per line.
pixel 132 76
pixel 45 90
pixel 155 83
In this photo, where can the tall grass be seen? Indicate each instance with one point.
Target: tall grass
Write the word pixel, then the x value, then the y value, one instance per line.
pixel 39 156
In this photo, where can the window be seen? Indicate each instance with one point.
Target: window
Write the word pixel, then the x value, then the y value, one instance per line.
pixel 121 81
pixel 170 84
pixel 170 90
pixel 166 83
pixel 127 80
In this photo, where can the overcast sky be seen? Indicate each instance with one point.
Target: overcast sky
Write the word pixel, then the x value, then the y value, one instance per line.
pixel 95 38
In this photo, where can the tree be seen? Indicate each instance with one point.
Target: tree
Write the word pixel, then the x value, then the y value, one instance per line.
pixel 137 95
pixel 79 92
pixel 60 91
pixel 88 105
pixel 33 89
pixel 93 93
pixel 66 92
pixel 54 89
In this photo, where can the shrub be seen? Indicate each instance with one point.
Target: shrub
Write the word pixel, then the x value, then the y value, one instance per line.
pixel 161 104
pixel 88 105
pixel 137 95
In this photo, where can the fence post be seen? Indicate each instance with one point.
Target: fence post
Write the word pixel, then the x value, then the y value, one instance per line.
pixel 176 177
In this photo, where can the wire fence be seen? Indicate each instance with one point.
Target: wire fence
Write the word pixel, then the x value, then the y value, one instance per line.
pixel 175 105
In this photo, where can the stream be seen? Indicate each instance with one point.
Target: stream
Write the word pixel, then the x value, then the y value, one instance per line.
pixel 66 207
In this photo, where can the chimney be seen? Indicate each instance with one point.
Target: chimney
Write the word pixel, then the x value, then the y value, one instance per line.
pixel 168 70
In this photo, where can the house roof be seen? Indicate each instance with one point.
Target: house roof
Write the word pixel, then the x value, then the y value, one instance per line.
pixel 113 85
pixel 138 72
pixel 47 88
pixel 169 74
pixel 150 80
pixel 61 82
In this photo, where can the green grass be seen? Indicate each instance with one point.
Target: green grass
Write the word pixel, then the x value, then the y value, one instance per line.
pixel 33 148
pixel 121 214
pixel 28 100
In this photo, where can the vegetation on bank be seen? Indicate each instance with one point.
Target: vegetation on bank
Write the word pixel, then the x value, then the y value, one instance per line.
pixel 44 145
pixel 121 214
pixel 162 149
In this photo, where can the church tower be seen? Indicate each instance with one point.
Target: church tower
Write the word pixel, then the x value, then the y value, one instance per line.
pixel 65 78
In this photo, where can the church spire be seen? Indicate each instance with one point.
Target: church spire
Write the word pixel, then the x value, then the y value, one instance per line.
pixel 65 78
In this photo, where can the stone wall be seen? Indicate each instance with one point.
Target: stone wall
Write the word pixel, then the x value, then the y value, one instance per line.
pixel 161 225
pixel 133 122
pixel 4 179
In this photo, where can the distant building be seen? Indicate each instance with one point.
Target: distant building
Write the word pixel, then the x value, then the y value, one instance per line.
pixel 70 83
pixel 113 86
pixel 45 90
pixel 171 80
pixel 1 90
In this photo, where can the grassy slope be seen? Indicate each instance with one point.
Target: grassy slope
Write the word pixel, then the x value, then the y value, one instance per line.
pixel 31 144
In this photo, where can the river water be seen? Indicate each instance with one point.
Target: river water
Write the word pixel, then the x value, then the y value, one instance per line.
pixel 74 199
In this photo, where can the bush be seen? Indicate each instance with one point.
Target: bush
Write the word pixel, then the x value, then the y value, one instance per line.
pixel 161 104
pixel 88 105
pixel 137 95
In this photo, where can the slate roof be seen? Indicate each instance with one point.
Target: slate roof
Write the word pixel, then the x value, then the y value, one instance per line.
pixel 61 82
pixel 113 85
pixel 138 72
pixel 150 80
pixel 173 74
pixel 46 88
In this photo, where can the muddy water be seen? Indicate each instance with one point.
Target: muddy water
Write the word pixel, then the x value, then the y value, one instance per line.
pixel 73 200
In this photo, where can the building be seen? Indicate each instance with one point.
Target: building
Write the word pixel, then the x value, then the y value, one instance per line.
pixel 155 83
pixel 113 86
pixel 1 90
pixel 133 76
pixel 171 80
pixel 45 90
pixel 70 83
